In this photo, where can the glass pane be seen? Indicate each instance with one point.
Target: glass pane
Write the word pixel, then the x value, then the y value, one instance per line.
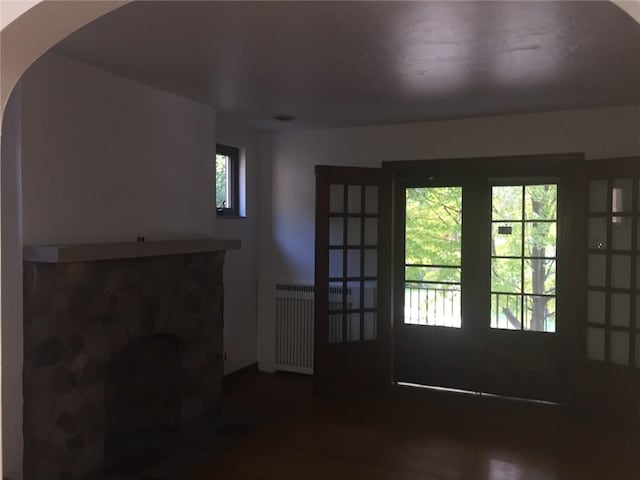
pixel 595 307
pixel 621 195
pixel 336 198
pixel 620 309
pixel 540 276
pixel 370 327
pixel 432 274
pixel 371 231
pixel 335 263
pixel 595 344
pixel 596 270
pixel 540 314
pixel 597 233
pixel 353 295
pixel 507 240
pixel 370 263
pixel 598 196
pixel 436 305
pixel 619 347
pixel 433 230
pixel 506 311
pixel 621 233
pixel 353 231
pixel 336 232
pixel 506 203
pixel 540 239
pixel 620 271
pixel 371 199
pixel 355 199
pixel 353 327
pixel 335 296
pixel 370 294
pixel 222 168
pixel 506 275
pixel 353 263
pixel 541 202
pixel 335 328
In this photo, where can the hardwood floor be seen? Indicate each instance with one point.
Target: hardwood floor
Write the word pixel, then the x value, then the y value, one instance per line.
pixel 411 434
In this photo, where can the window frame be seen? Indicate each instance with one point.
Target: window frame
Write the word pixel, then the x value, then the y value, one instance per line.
pixel 233 180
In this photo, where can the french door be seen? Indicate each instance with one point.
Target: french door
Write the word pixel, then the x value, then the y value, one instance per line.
pixel 352 304
pixel 481 274
pixel 609 379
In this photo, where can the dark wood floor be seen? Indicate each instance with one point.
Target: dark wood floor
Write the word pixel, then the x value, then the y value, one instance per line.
pixel 411 434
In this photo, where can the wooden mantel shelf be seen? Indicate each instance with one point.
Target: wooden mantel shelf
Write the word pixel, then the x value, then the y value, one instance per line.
pixel 110 251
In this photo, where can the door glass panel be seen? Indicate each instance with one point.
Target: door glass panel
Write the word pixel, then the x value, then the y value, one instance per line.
pixel 506 203
pixel 620 309
pixel 371 231
pixel 370 327
pixel 523 288
pixel 437 305
pixel 506 275
pixel 506 311
pixel 596 270
pixel 335 297
pixel 355 199
pixel 621 233
pixel 353 263
pixel 597 233
pixel 621 195
pixel 595 307
pixel 541 202
pixel 335 263
pixel 371 199
pixel 598 196
pixel 353 231
pixel 539 314
pixel 433 255
pixel 370 262
pixel 336 198
pixel 370 293
pixel 507 239
pixel 353 327
pixel 619 347
pixel 336 232
pixel 540 276
pixel 540 239
pixel 335 328
pixel 620 271
pixel 595 344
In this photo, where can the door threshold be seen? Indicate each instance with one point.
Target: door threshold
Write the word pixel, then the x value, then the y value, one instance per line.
pixel 479 394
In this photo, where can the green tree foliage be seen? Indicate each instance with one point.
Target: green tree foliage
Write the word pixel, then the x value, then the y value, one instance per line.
pixel 523 225
pixel 434 232
pixel 221 180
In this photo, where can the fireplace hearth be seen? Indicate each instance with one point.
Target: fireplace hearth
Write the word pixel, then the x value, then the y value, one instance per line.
pixel 119 353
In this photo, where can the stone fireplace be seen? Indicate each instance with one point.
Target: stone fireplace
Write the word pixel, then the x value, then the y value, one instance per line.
pixel 123 344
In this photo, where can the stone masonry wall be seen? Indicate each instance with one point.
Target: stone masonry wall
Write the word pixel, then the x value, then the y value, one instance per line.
pixel 78 316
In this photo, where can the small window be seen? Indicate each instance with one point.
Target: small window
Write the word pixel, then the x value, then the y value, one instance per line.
pixel 227 180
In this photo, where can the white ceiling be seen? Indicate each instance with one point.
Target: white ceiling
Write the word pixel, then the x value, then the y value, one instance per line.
pixel 334 64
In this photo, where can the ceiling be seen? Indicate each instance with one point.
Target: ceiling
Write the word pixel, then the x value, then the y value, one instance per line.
pixel 335 64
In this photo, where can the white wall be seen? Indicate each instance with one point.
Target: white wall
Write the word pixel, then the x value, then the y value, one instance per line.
pixel 106 159
pixel 240 271
pixel 286 234
pixel 11 276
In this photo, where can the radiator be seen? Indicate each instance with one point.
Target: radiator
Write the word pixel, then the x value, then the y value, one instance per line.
pixel 294 325
pixel 294 328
